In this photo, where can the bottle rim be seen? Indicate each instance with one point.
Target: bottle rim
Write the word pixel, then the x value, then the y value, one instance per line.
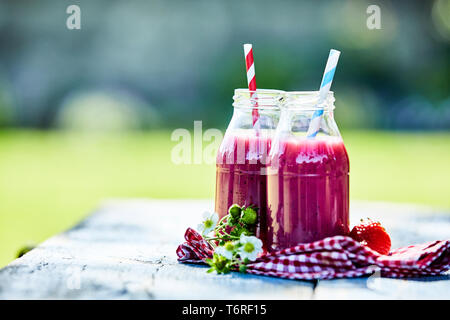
pixel 308 101
pixel 264 98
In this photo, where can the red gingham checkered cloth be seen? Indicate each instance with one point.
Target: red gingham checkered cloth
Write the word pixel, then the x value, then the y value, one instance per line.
pixel 334 257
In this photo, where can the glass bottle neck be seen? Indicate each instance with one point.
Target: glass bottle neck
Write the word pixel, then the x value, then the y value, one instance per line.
pixel 259 99
pixel 304 112
pixel 293 113
pixel 256 110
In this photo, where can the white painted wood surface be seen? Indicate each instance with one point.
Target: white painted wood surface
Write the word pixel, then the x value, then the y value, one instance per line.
pixel 126 250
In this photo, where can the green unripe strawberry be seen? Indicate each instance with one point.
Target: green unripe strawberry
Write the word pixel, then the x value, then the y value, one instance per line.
pixel 235 211
pixel 249 216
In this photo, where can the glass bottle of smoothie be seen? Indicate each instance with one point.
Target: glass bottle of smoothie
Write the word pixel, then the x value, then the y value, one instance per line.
pixel 308 177
pixel 242 157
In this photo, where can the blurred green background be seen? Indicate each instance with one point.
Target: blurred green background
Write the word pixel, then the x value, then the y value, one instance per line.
pixel 87 115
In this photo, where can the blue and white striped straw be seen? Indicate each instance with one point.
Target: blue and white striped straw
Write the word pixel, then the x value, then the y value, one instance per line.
pixel 327 79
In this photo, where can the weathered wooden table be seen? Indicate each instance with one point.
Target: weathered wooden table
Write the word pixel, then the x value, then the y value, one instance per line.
pixel 126 250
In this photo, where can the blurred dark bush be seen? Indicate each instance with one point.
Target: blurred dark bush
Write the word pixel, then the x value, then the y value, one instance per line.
pixel 167 63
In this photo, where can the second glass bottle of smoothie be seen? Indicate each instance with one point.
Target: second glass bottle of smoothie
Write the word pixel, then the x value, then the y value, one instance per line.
pixel 308 177
pixel 242 157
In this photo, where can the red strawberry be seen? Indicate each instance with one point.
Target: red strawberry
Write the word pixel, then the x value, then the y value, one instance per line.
pixel 373 235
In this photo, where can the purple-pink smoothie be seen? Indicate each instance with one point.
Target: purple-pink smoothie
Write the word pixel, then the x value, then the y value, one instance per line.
pixel 308 191
pixel 240 175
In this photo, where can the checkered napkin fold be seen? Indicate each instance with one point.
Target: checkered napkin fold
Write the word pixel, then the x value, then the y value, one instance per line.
pixel 334 257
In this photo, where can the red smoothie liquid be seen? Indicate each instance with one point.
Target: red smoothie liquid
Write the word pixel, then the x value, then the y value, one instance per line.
pixel 241 175
pixel 308 198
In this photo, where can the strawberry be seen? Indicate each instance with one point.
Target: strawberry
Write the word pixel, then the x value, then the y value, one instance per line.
pixel 372 234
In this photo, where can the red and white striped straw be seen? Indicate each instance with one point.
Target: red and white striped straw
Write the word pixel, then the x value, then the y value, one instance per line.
pixel 251 79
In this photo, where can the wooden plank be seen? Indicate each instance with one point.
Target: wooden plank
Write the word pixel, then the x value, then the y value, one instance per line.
pixel 126 250
pixel 407 225
pixel 384 288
